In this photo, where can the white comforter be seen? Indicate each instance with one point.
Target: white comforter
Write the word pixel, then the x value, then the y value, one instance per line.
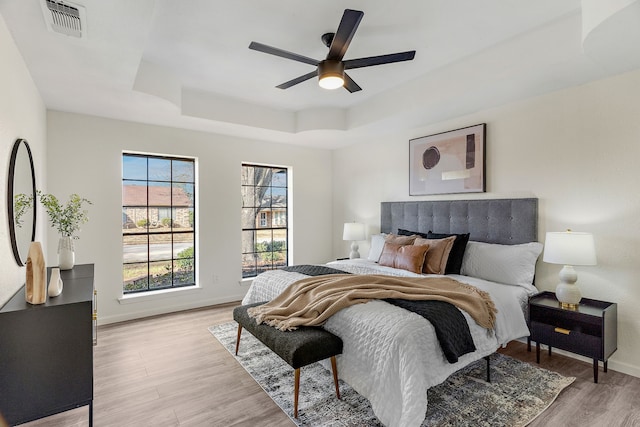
pixel 391 356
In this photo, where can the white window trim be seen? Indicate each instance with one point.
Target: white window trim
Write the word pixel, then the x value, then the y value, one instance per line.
pixel 155 295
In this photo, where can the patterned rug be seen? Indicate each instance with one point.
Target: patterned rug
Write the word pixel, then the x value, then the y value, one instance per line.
pixel 518 393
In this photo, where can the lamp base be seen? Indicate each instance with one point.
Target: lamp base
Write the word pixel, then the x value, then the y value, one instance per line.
pixel 567 292
pixel 354 251
pixel 568 306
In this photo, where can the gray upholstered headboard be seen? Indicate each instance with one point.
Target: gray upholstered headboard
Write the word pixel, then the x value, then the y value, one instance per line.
pixel 505 221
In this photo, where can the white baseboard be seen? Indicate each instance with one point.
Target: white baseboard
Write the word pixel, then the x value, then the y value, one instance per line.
pixel 624 368
pixel 105 320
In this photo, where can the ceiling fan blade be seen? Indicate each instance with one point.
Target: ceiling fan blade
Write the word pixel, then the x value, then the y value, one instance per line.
pixel 379 60
pixel 347 28
pixel 282 53
pixel 350 85
pixel 297 80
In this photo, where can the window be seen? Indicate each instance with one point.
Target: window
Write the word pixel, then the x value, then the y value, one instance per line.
pixel 158 222
pixel 279 218
pixel 264 219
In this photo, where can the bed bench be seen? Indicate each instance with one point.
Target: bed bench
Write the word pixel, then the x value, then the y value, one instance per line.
pixel 298 348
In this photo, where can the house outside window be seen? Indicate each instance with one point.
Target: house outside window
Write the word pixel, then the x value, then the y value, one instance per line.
pixel 158 222
pixel 264 218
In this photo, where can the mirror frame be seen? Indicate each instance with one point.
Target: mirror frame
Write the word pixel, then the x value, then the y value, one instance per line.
pixel 10 196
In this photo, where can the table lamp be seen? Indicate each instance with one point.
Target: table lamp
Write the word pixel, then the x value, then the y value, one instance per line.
pixel 353 231
pixel 569 248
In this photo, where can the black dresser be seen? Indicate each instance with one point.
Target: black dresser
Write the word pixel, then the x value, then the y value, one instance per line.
pixel 46 356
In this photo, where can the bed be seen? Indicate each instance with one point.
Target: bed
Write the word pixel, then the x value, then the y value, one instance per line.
pixel 400 346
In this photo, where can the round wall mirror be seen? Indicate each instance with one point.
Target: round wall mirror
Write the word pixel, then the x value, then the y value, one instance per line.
pixel 21 200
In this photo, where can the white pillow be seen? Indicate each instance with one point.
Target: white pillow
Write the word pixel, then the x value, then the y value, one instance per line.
pixel 377 244
pixel 508 264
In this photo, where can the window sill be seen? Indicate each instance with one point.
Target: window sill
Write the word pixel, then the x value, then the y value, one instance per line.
pixel 155 295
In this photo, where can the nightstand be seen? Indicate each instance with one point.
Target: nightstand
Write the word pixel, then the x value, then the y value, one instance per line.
pixel 591 330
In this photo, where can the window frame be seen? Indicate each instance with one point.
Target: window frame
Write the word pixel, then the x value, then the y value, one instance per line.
pixel 177 281
pixel 270 224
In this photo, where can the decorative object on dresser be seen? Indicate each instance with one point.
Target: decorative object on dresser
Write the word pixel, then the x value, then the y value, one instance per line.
pixel 67 219
pixel 448 162
pixel 353 231
pixel 55 283
pixel 35 284
pixel 66 253
pixel 47 351
pixel 569 248
pixel 591 330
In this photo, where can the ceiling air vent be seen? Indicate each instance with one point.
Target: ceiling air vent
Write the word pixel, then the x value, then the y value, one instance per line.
pixel 64 18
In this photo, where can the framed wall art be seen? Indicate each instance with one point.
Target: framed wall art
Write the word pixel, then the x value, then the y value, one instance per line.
pixel 449 162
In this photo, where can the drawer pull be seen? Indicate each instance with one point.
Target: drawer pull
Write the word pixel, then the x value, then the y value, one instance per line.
pixel 562 331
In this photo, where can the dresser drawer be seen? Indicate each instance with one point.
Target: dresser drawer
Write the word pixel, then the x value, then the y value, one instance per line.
pixel 574 341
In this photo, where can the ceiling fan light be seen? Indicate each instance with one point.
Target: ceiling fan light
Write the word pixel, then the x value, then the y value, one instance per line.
pixel 331 82
pixel 330 74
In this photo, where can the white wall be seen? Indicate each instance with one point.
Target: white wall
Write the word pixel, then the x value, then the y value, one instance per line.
pixel 84 157
pixel 577 150
pixel 22 115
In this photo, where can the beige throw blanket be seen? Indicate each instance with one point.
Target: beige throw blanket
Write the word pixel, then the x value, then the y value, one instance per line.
pixel 310 302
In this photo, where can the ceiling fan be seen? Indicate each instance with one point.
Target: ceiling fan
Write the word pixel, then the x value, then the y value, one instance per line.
pixel 330 71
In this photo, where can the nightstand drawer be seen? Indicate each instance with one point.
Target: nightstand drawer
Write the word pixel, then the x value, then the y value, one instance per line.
pixel 574 341
pixel 566 319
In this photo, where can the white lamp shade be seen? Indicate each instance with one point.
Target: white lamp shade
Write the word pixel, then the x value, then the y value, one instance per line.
pixel 569 248
pixel 353 231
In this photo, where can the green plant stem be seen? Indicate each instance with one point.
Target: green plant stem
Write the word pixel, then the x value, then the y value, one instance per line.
pixel 65 218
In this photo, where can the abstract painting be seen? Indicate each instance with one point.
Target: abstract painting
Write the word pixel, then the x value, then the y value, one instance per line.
pixel 449 162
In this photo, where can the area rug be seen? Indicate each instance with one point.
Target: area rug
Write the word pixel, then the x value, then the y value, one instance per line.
pixel 518 393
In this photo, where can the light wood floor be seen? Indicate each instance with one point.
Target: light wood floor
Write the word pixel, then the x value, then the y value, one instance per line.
pixel 170 371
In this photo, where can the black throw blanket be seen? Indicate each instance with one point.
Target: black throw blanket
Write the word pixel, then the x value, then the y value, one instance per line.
pixel 451 327
pixel 312 270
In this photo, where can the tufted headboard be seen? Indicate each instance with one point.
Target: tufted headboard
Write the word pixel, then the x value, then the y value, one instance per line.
pixel 505 221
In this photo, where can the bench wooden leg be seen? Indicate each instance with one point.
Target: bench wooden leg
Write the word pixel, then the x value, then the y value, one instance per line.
pixel 296 389
pixel 488 359
pixel 296 385
pixel 238 339
pixel 334 368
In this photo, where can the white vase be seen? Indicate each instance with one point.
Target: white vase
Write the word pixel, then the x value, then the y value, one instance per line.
pixel 66 254
pixel 55 283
